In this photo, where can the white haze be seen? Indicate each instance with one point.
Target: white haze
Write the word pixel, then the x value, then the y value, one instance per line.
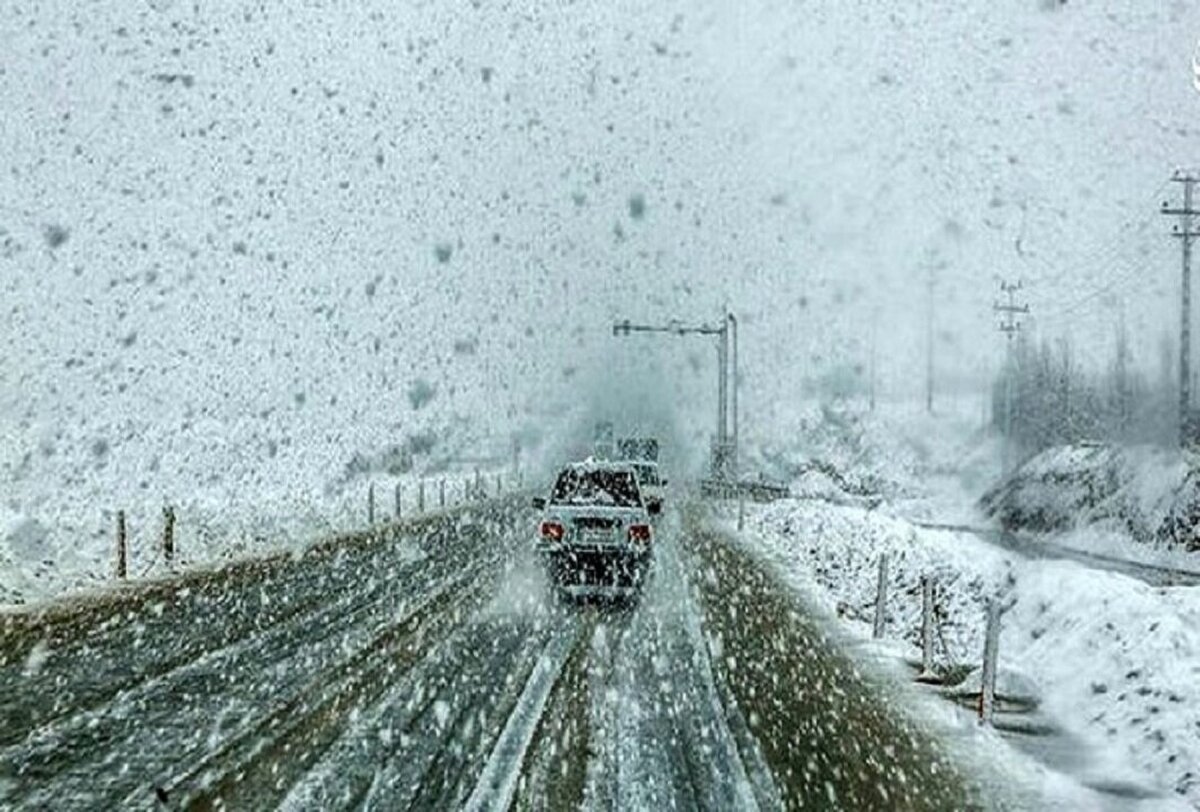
pixel 287 227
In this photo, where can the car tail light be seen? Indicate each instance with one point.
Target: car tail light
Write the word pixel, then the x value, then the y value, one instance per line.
pixel 553 531
pixel 639 532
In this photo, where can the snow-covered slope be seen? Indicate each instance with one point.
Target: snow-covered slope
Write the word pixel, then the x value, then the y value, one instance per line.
pixel 1145 493
pixel 1112 660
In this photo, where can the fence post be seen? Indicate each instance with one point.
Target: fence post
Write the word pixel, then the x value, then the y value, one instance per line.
pixel 168 539
pixel 499 485
pixel 371 503
pixel 926 625
pixel 421 495
pixel 399 488
pixel 121 556
pixel 987 677
pixel 442 492
pixel 741 509
pixel 880 597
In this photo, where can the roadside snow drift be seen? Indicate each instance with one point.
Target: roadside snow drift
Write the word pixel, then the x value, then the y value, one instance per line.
pixel 1115 660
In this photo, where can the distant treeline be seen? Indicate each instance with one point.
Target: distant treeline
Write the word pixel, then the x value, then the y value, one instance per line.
pixel 1056 401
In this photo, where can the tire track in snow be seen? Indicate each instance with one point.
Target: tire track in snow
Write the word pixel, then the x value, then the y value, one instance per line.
pixel 461 716
pixel 224 607
pixel 358 765
pixel 261 755
pixel 498 783
pixel 291 648
pixel 663 732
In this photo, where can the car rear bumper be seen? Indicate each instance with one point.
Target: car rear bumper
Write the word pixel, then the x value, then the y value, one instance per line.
pixel 584 565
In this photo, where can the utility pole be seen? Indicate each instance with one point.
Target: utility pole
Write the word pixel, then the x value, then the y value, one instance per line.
pixel 725 451
pixel 871 371
pixel 1185 232
pixel 1010 326
pixel 929 341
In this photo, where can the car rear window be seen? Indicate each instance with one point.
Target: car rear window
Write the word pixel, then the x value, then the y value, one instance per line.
pixel 614 488
pixel 647 474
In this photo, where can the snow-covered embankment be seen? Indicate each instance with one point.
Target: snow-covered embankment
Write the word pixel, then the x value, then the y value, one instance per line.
pixel 1115 660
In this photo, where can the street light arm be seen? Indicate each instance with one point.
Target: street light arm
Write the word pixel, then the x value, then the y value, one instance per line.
pixel 621 328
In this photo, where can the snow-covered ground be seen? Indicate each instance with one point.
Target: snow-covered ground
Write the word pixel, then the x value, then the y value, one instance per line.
pixel 1138 502
pixel 73 548
pixel 1113 660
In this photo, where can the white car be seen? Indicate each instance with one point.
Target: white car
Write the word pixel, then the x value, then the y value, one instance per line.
pixel 652 484
pixel 596 532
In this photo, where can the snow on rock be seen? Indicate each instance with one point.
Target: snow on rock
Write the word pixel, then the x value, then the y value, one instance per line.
pixel 1149 494
pixel 1113 659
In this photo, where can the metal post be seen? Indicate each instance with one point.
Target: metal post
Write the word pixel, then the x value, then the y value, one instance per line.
pixel 929 343
pixel 398 491
pixel 926 625
pixel 442 492
pixel 734 395
pixel 741 509
pixel 168 539
pixel 421 496
pixel 722 394
pixel 121 549
pixel 371 503
pixel 880 597
pixel 987 678
pixel 499 484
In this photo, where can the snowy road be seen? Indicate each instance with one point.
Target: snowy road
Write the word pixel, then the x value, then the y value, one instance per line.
pixel 433 673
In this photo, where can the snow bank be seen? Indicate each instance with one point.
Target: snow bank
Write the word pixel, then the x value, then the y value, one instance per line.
pixel 1115 660
pixel 1150 494
pixel 70 547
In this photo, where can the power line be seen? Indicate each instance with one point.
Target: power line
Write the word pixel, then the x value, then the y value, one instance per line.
pixel 1106 251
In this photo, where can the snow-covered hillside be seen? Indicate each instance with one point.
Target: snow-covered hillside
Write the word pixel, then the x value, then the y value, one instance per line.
pixel 1144 493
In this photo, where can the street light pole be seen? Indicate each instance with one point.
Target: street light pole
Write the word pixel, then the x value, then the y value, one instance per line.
pixel 723 386
pixel 733 325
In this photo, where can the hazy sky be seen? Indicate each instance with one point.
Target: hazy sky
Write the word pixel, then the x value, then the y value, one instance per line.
pixel 278 220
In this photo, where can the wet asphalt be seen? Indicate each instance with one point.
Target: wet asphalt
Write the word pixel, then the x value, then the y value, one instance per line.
pixel 427 667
